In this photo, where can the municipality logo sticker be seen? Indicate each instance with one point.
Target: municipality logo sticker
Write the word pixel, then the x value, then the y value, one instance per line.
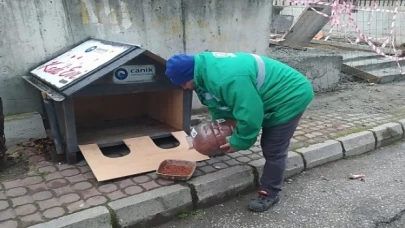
pixel 121 74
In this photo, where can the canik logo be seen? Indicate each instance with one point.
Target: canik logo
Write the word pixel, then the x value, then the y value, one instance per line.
pixel 90 49
pixel 121 74
pixel 142 70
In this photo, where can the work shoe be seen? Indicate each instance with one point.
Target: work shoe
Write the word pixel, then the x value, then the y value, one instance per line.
pixel 263 202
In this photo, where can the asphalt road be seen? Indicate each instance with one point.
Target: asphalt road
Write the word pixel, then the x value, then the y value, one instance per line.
pixel 324 197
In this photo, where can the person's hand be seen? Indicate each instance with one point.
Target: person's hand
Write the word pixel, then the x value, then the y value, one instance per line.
pixel 228 147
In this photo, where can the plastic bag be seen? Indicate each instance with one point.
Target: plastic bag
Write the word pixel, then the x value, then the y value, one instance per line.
pixel 206 138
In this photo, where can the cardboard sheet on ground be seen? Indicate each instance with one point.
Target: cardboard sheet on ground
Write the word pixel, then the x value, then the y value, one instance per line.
pixel 144 157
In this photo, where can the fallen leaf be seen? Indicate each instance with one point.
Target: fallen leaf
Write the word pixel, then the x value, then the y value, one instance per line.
pixel 357 176
pixel 324 178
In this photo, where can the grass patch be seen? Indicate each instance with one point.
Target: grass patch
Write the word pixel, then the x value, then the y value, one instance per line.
pixel 349 132
pixel 299 145
pixel 189 214
pixel 304 145
pixel 397 112
pixel 114 219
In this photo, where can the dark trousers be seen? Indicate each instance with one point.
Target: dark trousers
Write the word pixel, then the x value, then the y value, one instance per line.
pixel 275 141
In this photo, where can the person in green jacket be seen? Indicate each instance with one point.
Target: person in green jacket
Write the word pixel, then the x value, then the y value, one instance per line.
pixel 260 93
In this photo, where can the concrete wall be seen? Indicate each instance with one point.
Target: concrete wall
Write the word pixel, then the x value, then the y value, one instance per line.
pixel 379 27
pixel 23 127
pixel 37 30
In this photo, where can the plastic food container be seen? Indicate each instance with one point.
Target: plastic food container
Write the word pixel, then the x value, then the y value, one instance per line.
pixel 176 169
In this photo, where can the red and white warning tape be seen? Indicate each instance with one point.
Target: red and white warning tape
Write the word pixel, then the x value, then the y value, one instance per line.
pixel 339 10
pixel 352 7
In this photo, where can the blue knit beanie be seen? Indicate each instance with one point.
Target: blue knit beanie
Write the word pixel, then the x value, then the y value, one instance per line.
pixel 180 68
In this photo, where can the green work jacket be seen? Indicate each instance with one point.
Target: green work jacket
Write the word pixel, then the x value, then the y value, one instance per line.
pixel 256 91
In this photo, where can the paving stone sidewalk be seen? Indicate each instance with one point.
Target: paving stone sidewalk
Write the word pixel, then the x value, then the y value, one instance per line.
pixel 53 190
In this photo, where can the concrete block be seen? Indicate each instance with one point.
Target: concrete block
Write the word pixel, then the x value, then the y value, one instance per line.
pixel 145 208
pixel 320 66
pixel 321 153
pixel 219 186
pixel 402 122
pixel 20 128
pixel 388 133
pixel 358 143
pixel 94 217
pixel 295 164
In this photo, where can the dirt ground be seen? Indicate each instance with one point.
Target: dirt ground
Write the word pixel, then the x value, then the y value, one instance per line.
pixel 15 166
pixel 362 97
pixel 18 165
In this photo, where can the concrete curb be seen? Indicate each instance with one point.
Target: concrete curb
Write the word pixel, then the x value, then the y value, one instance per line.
pixel 147 208
pixel 162 204
pixel 402 122
pixel 93 217
pixel 357 143
pixel 295 165
pixel 321 153
pixel 224 184
pixel 388 133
